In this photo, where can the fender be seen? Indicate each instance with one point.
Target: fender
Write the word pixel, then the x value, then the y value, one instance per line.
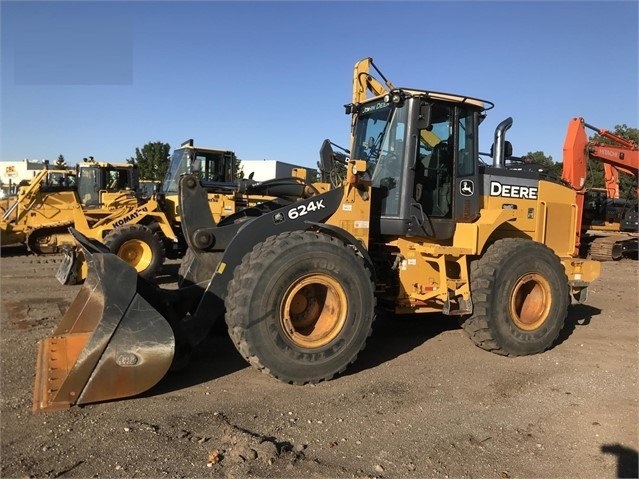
pixel 348 238
pixel 474 236
pixel 203 236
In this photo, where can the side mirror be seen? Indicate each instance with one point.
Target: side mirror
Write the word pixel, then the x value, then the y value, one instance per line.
pixel 326 156
pixel 423 122
pixel 508 149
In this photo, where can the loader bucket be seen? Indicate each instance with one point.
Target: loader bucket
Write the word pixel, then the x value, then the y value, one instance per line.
pixel 111 343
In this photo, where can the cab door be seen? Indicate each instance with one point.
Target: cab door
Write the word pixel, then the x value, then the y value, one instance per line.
pixel 445 191
pixel 466 170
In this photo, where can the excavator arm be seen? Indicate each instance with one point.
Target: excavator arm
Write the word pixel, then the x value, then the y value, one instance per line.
pixel 611 179
pixel 578 149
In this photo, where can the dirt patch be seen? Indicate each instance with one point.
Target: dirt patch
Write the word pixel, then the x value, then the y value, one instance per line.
pixel 420 401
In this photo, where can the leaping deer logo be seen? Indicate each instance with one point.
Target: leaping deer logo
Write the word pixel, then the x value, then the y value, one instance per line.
pixel 466 188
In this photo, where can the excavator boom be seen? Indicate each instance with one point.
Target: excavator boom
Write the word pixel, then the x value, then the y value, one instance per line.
pixel 578 149
pixel 623 156
pixel 364 82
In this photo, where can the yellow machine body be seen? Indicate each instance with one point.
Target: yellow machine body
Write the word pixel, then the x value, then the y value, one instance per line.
pixel 419 223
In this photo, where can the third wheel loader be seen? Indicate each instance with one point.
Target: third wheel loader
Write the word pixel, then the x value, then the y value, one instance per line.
pixel 149 230
pixel 419 224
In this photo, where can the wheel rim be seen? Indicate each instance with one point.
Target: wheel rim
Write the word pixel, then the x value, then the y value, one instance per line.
pixel 313 311
pixel 137 253
pixel 530 302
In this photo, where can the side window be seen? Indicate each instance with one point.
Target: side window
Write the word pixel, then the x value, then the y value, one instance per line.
pixel 112 180
pixel 116 180
pixel 465 153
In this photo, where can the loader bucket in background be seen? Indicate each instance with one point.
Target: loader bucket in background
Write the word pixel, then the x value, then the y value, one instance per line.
pixel 111 343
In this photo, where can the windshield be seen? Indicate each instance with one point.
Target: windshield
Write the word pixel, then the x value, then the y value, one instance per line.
pixel 371 125
pixel 211 165
pixel 177 167
pixel 379 139
pixel 89 186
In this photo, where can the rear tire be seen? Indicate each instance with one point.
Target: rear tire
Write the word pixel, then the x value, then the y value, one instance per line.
pixel 520 296
pixel 300 306
pixel 139 246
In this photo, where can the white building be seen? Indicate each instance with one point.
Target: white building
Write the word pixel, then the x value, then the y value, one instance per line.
pixel 13 172
pixel 268 169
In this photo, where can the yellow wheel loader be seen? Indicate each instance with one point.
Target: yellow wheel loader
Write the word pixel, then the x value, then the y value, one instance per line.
pixel 149 231
pixel 420 224
pixel 55 199
pixel 98 199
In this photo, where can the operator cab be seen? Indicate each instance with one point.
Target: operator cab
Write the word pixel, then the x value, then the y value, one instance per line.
pixel 94 179
pixel 422 153
pixel 211 166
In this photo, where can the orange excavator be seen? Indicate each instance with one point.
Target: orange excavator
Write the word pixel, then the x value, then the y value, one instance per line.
pixel 593 236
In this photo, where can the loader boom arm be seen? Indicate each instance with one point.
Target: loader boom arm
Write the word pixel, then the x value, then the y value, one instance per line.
pixel 364 82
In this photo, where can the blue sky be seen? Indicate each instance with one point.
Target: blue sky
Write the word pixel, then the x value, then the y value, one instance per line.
pixel 268 80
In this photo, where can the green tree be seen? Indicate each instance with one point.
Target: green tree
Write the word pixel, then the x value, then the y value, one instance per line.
pixel 152 160
pixel 238 170
pixel 60 162
pixel 544 161
pixel 540 158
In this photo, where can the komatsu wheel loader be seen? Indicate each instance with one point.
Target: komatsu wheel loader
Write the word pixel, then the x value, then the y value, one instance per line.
pixel 420 224
pixel 150 231
pixel 96 198
pixel 55 199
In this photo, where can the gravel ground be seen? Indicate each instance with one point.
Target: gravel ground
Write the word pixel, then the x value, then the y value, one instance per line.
pixel 421 401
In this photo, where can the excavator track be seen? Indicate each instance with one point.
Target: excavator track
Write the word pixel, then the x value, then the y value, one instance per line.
pixel 612 248
pixel 50 239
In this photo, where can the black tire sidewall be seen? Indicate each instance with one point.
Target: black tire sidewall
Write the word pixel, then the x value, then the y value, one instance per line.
pixel 512 339
pixel 275 351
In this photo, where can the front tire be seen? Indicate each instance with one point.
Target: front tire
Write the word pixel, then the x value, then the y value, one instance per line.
pixel 520 296
pixel 139 246
pixel 300 306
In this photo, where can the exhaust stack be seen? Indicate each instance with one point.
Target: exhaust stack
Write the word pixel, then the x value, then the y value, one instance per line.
pixel 500 142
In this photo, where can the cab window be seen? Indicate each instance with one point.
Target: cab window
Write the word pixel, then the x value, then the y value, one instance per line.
pixel 434 165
